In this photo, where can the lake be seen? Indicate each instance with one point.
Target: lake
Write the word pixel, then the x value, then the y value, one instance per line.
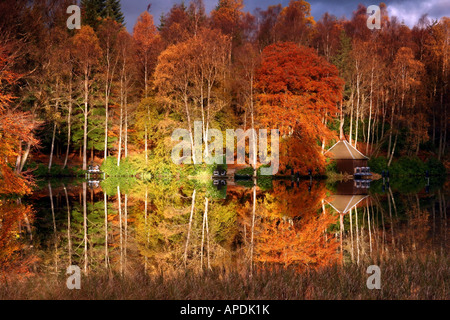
pixel 129 225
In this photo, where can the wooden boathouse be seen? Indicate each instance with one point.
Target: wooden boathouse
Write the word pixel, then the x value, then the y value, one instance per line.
pixel 349 159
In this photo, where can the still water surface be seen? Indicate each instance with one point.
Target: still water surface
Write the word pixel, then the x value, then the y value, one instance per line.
pixel 131 225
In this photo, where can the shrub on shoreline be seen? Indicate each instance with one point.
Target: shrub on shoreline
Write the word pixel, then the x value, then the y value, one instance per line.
pixel 408 166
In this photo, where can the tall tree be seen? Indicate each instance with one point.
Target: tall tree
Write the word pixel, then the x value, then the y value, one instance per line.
pixel 95 10
pixel 148 47
pixel 113 10
pixel 247 61
pixel 266 26
pixel 210 52
pixel 297 90
pixel 173 76
pixel 87 52
pixel 175 25
pixel 228 18
pixel 295 23
pixel 108 32
pixel 406 78
pixel 327 33
pixel 126 72
pixel 92 11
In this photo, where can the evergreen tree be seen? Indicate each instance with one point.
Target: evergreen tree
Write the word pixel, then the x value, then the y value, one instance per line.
pixel 113 10
pixel 95 9
pixel 92 10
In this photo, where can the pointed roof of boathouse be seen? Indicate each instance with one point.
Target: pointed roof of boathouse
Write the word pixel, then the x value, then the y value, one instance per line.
pixel 343 150
pixel 344 203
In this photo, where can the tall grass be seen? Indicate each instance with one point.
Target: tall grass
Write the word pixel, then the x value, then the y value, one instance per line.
pixel 400 279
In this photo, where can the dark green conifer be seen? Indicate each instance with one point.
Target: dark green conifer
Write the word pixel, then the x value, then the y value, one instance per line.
pixel 94 10
pixel 113 10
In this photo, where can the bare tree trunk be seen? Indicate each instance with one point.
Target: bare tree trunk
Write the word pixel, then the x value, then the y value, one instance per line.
pixel 146 143
pixel 393 201
pixel 393 151
pixel 202 109
pixel 85 238
pixel 19 157
pixel 54 226
pixel 323 139
pixel 351 118
pixel 253 129
pixel 69 123
pixel 146 223
pixel 188 115
pixel 119 154
pixel 52 148
pixel 370 231
pixel 370 109
pixel 392 221
pixel 85 132
pixel 24 157
pixel 351 233
pixel 253 229
pixel 383 122
pixel 69 237
pixel 357 123
pixel 341 230
pixel 391 128
pixel 207 233
pixel 126 126
pixel 126 229
pixel 146 76
pixel 357 235
pixel 107 93
pixel 203 238
pixel 105 200
pixel 189 228
pixel 54 130
pixel 105 155
pixel 358 98
pixel 119 200
pixel 374 125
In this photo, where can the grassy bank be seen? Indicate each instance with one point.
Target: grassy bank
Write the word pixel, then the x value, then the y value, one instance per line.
pixel 40 170
pixel 408 166
pixel 400 279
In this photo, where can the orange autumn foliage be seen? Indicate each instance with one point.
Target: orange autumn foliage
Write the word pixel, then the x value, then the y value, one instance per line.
pixel 293 229
pixel 148 46
pixel 298 94
pixel 12 259
pixel 16 127
pixel 303 246
pixel 227 16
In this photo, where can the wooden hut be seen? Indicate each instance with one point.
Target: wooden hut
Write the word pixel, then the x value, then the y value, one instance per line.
pixel 344 203
pixel 348 159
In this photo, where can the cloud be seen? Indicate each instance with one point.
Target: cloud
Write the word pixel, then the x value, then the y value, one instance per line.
pixel 411 11
pixel 408 11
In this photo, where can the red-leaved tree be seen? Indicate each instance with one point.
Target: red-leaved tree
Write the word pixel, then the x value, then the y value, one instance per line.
pixel 298 94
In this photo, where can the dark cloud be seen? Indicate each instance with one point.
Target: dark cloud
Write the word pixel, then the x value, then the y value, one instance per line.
pixel 408 11
pixel 411 11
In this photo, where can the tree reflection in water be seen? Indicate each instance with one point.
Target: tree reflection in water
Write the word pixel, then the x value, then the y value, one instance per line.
pixel 155 227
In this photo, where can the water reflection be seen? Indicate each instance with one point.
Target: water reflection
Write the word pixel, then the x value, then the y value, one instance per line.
pixel 122 227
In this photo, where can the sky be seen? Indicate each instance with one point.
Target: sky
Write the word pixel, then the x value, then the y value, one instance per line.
pixel 408 11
